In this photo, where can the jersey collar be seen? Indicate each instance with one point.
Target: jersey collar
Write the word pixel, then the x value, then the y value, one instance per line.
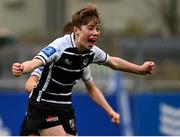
pixel 74 45
pixel 72 40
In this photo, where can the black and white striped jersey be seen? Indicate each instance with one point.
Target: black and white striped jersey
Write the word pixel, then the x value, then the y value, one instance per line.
pixel 86 75
pixel 63 66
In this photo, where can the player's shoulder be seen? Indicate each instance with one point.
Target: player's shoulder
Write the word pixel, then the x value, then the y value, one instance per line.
pixel 62 39
pixel 96 49
pixel 62 42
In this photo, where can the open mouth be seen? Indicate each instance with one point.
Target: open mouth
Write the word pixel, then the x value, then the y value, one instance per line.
pixel 92 40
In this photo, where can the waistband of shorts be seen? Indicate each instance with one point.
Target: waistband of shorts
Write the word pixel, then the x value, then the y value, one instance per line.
pixel 46 105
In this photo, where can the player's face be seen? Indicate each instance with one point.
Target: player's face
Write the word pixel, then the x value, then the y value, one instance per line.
pixel 87 35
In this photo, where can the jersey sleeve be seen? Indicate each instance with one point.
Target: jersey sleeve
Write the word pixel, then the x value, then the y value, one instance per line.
pixel 100 56
pixel 37 72
pixel 50 53
pixel 86 76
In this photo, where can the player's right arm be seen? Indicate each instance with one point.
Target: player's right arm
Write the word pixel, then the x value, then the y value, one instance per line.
pixel 50 53
pixel 26 67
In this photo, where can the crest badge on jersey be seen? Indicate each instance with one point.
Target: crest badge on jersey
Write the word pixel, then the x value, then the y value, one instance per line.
pixel 68 62
pixel 48 51
pixel 85 61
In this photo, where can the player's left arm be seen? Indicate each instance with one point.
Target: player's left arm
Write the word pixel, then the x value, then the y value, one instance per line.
pixel 33 80
pixel 31 83
pixel 123 65
pixel 99 98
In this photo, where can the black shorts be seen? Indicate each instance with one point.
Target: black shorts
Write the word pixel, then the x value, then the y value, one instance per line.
pixel 24 130
pixel 46 117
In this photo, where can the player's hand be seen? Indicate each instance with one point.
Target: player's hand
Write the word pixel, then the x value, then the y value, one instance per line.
pixel 115 117
pixel 147 67
pixel 17 69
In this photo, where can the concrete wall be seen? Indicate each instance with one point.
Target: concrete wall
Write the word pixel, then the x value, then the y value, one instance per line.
pixel 30 16
pixel 115 14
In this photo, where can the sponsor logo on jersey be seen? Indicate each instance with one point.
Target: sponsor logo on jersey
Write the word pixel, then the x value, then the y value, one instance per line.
pixel 48 51
pixel 52 118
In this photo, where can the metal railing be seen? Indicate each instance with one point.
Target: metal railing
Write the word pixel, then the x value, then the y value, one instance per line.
pixel 164 53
